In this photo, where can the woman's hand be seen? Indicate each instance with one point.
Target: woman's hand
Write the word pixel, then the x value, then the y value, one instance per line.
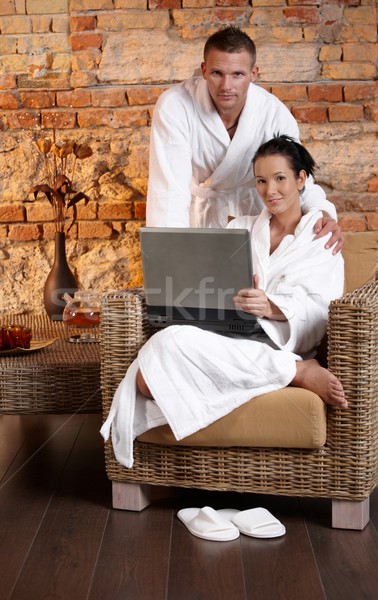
pixel 255 302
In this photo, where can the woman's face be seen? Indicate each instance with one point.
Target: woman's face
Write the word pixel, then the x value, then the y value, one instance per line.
pixel 277 184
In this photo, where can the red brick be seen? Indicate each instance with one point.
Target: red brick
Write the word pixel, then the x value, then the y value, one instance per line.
pixel 94 230
pixel 108 97
pixel 140 210
pixel 310 114
pixel 371 111
pixel 325 93
pixel 59 120
pixel 129 117
pixel 8 101
pixel 11 213
pixel 338 2
pixel 83 23
pixel 373 184
pixel 7 7
pixel 40 99
pixel 38 212
pixel 307 16
pixel 338 199
pixel 86 212
pixel 287 93
pixel 23 119
pixel 232 2
pixel 25 233
pixel 74 99
pixel 346 112
pixel 156 4
pixel 302 2
pixel 143 95
pixel 227 15
pixel 363 203
pixel 49 231
pixel 351 222
pixel 85 5
pixel 7 81
pixel 82 41
pixel 90 117
pixel 115 210
pixel 359 91
pixel 372 221
pixel 83 79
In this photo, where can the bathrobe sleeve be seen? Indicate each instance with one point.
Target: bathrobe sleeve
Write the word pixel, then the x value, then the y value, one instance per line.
pixel 170 166
pixel 301 277
pixel 302 280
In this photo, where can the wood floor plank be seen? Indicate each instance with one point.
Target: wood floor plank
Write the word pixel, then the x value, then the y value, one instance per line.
pixel 347 560
pixel 27 490
pixel 134 558
pixel 63 557
pixel 281 567
pixel 59 537
pixel 13 430
pixel 374 509
pixel 203 569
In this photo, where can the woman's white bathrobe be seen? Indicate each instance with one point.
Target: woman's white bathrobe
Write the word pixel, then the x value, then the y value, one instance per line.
pixel 197 175
pixel 197 376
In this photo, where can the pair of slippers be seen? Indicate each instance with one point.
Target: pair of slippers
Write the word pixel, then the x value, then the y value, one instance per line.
pixel 226 524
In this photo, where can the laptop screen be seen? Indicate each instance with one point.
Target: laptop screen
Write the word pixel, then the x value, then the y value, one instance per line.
pixel 192 275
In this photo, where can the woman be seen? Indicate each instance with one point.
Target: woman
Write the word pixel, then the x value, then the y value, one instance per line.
pixel 197 376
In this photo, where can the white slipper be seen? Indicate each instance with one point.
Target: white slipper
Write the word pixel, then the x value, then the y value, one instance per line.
pixel 208 524
pixel 255 522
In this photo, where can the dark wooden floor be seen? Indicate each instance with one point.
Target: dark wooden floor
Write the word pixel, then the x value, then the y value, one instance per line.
pixel 60 539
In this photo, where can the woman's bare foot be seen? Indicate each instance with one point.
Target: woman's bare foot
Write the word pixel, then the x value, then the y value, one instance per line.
pixel 311 376
pixel 142 386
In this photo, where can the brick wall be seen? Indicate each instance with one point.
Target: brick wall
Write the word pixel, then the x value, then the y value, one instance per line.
pixel 93 70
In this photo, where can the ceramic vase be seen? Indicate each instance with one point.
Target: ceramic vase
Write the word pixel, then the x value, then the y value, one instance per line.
pixel 59 281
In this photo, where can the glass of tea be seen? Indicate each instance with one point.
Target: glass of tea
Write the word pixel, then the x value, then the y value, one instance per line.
pixel 81 317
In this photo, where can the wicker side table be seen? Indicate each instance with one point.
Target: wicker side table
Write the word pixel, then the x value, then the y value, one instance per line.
pixel 61 378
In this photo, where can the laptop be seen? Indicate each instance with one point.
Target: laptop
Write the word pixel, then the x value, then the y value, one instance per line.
pixel 192 274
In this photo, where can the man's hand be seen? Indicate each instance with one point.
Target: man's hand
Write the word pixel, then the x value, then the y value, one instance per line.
pixel 326 225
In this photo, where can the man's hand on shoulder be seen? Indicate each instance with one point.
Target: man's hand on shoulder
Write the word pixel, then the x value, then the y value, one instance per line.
pixel 326 225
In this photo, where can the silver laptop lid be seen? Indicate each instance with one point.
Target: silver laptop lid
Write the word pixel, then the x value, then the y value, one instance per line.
pixel 194 267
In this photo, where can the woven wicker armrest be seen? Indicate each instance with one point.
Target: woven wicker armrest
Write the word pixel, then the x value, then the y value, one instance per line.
pixel 352 357
pixel 124 329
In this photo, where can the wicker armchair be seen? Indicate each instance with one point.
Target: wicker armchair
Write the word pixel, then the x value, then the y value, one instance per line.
pixel 345 469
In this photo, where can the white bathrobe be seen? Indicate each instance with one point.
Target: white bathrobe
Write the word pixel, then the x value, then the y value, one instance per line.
pixel 198 176
pixel 197 376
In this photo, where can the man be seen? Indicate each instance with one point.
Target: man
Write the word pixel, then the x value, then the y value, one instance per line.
pixel 205 132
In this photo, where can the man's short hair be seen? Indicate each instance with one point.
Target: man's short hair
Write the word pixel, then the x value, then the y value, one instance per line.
pixel 231 39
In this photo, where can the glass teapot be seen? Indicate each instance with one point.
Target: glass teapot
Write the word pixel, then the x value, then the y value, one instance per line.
pixel 81 316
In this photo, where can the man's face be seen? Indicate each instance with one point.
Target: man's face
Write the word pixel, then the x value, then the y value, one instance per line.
pixel 228 76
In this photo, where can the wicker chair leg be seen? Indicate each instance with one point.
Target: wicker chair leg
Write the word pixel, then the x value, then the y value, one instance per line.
pixel 347 514
pixel 130 496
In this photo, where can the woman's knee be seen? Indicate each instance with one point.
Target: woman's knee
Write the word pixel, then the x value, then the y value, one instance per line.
pixel 142 386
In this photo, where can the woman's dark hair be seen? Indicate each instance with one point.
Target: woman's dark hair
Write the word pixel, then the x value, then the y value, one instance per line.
pixel 299 158
pixel 231 39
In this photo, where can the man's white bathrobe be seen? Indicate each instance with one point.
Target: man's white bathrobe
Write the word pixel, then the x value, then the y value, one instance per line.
pixel 198 176
pixel 197 376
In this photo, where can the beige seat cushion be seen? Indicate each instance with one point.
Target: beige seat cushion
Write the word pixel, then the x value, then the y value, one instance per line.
pixel 288 418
